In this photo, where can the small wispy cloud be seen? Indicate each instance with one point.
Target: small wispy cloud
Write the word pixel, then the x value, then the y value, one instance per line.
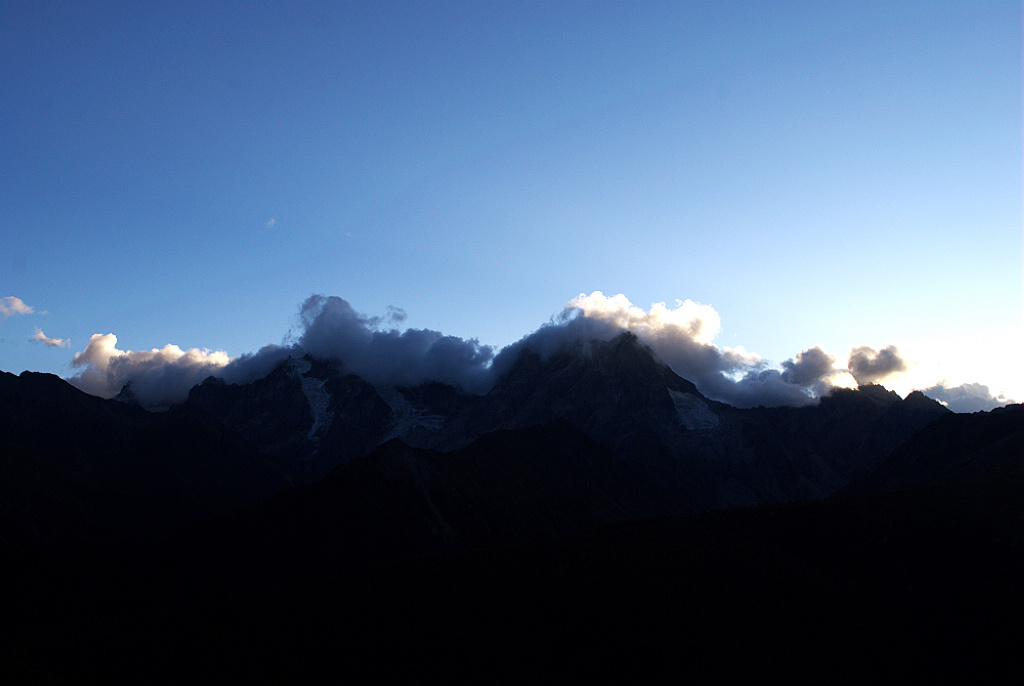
pixel 40 337
pixel 10 305
pixel 271 223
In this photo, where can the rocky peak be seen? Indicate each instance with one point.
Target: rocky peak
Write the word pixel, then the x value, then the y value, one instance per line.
pixel 610 389
pixel 622 361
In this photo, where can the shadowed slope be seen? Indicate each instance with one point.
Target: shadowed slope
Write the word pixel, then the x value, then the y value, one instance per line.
pixel 77 468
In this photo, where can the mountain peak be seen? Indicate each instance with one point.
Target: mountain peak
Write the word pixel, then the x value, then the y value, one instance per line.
pixel 624 359
pixel 918 400
pixel 878 393
pixel 127 395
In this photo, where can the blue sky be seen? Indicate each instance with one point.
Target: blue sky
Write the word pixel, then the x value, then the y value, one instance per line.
pixel 821 174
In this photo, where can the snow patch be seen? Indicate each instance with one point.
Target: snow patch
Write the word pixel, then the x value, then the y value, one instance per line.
pixel 316 395
pixel 407 416
pixel 319 402
pixel 693 412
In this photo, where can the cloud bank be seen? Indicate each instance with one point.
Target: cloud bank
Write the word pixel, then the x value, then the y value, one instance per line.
pixel 10 305
pixel 968 397
pixel 332 330
pixel 682 337
pixel 158 377
pixel 374 348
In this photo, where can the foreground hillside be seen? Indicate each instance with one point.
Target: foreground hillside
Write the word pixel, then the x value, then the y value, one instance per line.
pixel 920 583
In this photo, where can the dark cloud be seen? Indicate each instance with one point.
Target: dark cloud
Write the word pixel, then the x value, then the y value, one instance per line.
pixel 252 366
pixel 968 397
pixel 333 331
pixel 808 368
pixel 395 315
pixel 868 365
pixel 765 387
pixel 565 332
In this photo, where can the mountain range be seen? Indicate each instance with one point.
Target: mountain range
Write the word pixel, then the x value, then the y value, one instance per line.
pixel 592 499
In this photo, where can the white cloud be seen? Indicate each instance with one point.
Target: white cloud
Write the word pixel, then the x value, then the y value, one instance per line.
pixel 10 305
pixel 332 331
pixel 683 338
pixel 699 323
pixel 159 377
pixel 40 337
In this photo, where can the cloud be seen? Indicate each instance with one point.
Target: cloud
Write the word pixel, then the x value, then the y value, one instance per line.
pixel 868 365
pixel 271 223
pixel 251 366
pixel 158 377
pixel 10 305
pixel 968 397
pixel 40 337
pixel 809 366
pixel 333 330
pixel 682 337
pixel 374 348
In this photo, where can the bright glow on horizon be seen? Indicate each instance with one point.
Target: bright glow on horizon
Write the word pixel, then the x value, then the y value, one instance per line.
pixel 962 361
pixel 840 378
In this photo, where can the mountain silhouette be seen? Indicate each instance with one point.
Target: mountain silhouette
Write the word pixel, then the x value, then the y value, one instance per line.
pixel 592 497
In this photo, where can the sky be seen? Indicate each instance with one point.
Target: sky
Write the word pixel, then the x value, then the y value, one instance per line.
pixel 763 183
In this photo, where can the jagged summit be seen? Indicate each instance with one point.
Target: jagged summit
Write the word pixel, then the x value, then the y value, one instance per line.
pixel 616 391
pixel 623 360
pixel 127 395
pixel 878 393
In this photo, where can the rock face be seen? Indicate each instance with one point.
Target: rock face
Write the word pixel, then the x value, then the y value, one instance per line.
pixel 306 415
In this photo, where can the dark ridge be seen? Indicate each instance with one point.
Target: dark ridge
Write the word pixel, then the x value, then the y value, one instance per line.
pixel 957 447
pixel 546 529
pixel 76 468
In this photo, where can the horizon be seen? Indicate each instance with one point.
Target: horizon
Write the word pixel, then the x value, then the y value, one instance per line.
pixel 376 349
pixel 800 177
